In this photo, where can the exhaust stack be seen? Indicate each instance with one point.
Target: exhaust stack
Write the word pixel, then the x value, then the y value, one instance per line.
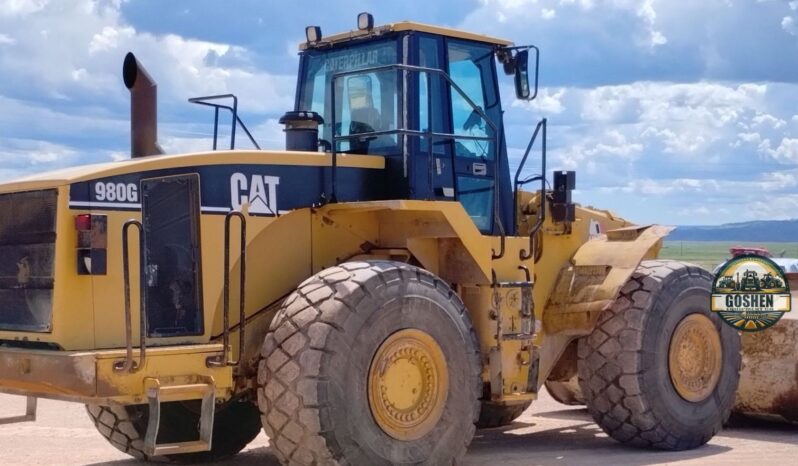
pixel 143 108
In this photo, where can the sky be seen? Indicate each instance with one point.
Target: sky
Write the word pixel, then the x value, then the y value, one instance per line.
pixel 671 111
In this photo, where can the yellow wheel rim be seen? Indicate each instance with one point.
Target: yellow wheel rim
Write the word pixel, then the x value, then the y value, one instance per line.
pixel 695 358
pixel 408 384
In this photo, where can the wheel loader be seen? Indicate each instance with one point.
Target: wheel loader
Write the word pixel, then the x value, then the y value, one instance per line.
pixel 370 295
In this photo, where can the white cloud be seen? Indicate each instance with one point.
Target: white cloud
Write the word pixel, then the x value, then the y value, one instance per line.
pixel 763 119
pixel 784 209
pixel 649 15
pixel 786 152
pixel 21 7
pixel 548 102
pixel 702 103
pixel 608 148
pixel 788 24
pixel 27 152
pixel 706 188
pixel 746 138
pixel 663 187
pixel 76 50
pixel 185 145
pixel 60 66
pixel 548 13
pixel 108 39
pixel 616 41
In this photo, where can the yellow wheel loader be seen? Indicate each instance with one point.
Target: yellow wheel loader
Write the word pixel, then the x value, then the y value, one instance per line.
pixel 370 295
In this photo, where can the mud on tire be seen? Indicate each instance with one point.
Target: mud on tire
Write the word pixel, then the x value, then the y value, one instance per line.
pixel 623 364
pixel 313 378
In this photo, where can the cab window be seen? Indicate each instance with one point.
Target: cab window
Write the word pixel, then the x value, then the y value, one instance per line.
pixel 365 102
pixel 470 68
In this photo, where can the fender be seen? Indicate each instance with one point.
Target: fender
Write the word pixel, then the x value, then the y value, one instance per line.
pixel 288 249
pixel 590 283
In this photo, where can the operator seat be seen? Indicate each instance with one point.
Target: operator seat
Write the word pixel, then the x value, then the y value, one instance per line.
pixel 364 120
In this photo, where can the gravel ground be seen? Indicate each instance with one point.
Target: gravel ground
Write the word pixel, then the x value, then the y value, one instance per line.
pixel 547 434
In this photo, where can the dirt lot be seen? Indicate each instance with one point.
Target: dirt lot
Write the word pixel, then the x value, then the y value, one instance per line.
pixel 547 434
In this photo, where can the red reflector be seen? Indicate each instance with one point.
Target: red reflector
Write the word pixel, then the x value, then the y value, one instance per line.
pixel 83 222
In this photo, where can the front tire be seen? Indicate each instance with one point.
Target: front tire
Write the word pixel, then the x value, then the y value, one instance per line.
pixel 370 363
pixel 660 370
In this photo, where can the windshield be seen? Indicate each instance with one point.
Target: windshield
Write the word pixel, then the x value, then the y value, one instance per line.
pixel 365 102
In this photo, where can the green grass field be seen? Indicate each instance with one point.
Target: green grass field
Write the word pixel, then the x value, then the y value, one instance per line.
pixel 711 253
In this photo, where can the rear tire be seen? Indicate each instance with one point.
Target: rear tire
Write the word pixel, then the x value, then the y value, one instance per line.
pixel 625 365
pixel 323 401
pixel 495 414
pixel 235 425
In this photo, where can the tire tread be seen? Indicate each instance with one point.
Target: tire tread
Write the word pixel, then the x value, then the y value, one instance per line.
pixel 609 370
pixel 292 407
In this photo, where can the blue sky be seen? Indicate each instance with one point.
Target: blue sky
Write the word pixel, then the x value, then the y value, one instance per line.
pixel 671 111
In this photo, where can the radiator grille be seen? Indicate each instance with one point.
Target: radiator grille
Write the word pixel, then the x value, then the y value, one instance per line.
pixel 27 253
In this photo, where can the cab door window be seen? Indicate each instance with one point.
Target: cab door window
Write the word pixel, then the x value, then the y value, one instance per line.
pixel 470 66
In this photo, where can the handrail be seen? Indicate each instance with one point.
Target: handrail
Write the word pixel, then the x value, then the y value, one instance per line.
pixel 236 119
pixel 542 211
pixel 223 360
pixel 129 365
pixel 429 133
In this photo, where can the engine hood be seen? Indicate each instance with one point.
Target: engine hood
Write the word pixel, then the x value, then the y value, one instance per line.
pixel 68 176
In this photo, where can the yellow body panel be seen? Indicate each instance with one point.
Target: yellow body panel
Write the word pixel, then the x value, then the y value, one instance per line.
pixel 90 377
pixel 283 251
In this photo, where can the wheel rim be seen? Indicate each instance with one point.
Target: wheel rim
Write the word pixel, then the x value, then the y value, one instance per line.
pixel 695 358
pixel 408 384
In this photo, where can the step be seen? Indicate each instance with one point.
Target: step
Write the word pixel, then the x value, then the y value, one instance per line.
pixel 157 394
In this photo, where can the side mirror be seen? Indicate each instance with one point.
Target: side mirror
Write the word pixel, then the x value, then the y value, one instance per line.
pixel 522 75
pixel 521 64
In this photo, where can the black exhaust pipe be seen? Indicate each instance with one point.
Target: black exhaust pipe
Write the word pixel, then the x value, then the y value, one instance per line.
pixel 143 108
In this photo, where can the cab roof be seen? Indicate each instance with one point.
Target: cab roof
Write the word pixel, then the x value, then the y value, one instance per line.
pixel 405 26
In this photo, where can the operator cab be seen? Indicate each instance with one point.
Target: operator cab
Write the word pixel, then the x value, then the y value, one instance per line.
pixel 427 99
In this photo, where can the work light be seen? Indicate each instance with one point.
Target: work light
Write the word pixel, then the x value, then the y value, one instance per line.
pixel 365 21
pixel 313 33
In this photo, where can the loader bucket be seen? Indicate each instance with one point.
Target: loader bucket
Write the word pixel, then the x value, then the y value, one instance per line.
pixel 769 377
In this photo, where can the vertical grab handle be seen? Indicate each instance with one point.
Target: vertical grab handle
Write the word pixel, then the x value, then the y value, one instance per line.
pixel 224 359
pixel 129 365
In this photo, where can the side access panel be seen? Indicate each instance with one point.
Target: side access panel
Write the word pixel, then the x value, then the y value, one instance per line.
pixel 171 282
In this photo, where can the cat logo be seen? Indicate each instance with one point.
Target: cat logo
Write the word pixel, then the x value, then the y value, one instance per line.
pixel 257 191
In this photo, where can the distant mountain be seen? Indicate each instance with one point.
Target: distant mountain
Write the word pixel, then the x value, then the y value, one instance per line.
pixel 761 231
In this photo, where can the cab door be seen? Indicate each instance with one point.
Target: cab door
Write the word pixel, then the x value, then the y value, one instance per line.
pixel 471 66
pixel 434 171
